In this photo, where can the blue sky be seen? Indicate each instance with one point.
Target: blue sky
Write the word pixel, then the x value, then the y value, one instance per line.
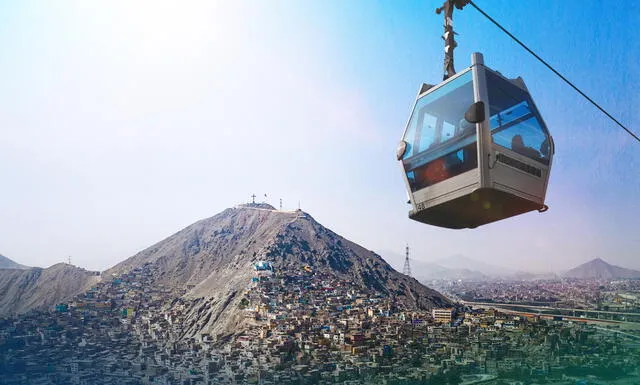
pixel 123 122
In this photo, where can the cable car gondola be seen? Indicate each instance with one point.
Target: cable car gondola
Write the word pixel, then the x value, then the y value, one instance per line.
pixel 475 150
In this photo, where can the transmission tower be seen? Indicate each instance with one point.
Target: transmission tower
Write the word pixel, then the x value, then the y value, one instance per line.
pixel 407 268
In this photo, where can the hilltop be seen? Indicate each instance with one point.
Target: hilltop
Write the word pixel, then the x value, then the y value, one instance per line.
pixel 599 269
pixel 6 263
pixel 26 289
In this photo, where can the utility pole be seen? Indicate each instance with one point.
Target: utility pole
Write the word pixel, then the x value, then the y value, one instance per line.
pixel 253 198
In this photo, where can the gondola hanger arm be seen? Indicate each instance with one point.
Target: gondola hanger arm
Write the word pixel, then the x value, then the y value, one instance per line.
pixel 449 34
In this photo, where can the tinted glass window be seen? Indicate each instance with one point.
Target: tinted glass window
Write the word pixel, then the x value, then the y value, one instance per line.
pixel 445 167
pixel 440 142
pixel 514 121
pixel 438 117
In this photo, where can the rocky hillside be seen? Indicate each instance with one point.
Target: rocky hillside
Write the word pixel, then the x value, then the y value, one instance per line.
pixel 599 269
pixel 6 263
pixel 24 289
pixel 214 260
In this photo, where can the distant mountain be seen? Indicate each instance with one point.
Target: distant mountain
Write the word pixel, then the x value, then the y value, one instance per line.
pixel 6 263
pixel 528 276
pixel 461 262
pixel 25 289
pixel 599 269
pixel 426 271
pixel 214 260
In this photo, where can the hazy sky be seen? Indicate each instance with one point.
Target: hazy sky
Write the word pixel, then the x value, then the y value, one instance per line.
pixel 124 121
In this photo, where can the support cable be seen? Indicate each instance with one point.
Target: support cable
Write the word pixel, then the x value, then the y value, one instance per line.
pixel 555 71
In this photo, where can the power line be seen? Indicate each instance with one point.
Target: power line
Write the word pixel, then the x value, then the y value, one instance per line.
pixel 555 72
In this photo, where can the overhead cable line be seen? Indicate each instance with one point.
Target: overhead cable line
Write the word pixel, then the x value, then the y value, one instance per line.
pixel 555 71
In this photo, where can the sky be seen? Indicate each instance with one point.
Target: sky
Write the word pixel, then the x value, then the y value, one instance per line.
pixel 122 122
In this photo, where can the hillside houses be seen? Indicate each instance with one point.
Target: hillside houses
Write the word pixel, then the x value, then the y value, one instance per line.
pixel 296 327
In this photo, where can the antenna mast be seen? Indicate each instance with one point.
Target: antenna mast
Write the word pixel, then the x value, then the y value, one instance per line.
pixel 407 268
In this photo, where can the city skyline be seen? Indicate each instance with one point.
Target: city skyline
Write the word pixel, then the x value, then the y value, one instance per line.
pixel 124 123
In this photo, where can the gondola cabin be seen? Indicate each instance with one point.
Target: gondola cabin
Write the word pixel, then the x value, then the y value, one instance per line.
pixel 475 150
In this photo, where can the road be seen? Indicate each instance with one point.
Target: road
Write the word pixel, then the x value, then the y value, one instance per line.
pixel 548 308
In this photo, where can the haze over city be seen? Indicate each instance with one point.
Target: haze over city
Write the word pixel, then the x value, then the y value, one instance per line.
pixel 124 122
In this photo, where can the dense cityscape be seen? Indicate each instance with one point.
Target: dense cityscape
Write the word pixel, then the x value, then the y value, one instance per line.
pixel 603 294
pixel 306 327
pixel 612 299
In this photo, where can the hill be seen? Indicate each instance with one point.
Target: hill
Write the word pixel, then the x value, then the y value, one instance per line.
pixel 463 262
pixel 426 271
pixel 6 263
pixel 213 260
pixel 26 289
pixel 600 269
